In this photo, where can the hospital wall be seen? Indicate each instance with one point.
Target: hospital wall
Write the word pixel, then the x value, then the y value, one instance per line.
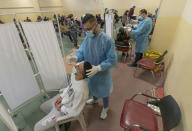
pixel 97 6
pixel 173 32
pixel 76 7
pixel 11 6
pixel 122 5
pixel 50 4
pixel 81 7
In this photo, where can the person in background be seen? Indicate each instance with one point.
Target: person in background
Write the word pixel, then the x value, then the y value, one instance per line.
pixel 27 20
pixel 62 18
pixel 122 38
pixel 74 30
pixel 153 26
pixel 131 12
pixel 98 17
pixel 78 25
pixel 122 35
pixel 156 13
pixel 1 22
pixel 99 50
pixel 54 17
pixel 65 31
pixel 82 28
pixel 125 18
pixel 141 33
pixel 99 20
pixel 116 17
pixel 39 19
pixel 150 15
pixel 45 18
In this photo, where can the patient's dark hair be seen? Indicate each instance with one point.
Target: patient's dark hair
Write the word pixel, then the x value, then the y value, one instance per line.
pixel 89 18
pixel 121 30
pixel 143 11
pixel 87 66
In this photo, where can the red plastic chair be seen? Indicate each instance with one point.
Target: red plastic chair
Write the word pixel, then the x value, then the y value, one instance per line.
pixel 152 65
pixel 136 116
pixel 124 47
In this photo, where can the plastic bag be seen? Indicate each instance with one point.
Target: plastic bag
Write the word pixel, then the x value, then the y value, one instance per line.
pixel 151 54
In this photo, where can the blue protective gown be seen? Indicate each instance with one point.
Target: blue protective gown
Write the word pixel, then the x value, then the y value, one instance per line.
pixel 142 32
pixel 99 50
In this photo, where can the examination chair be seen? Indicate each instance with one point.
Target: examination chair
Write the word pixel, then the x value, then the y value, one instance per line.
pixel 79 116
pixel 137 116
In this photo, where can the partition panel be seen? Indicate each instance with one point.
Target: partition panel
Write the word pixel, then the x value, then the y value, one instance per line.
pixel 44 45
pixel 17 83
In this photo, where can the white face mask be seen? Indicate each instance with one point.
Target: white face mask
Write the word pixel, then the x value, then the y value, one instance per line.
pixel 90 34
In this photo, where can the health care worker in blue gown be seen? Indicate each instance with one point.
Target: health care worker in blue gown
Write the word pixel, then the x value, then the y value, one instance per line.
pixel 141 33
pixel 99 50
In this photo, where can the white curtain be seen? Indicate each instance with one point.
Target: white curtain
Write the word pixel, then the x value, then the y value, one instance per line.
pixel 109 25
pixel 43 42
pixel 17 83
pixel 6 118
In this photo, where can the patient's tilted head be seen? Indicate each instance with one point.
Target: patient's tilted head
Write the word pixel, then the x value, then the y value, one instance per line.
pixel 81 69
pixel 121 30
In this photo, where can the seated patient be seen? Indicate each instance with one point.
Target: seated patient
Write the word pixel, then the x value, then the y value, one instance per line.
pixel 122 39
pixel 122 35
pixel 70 102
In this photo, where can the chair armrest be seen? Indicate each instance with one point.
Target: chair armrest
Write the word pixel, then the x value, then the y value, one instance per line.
pixel 53 90
pixel 68 117
pixel 61 118
pixel 138 126
pixel 157 63
pixel 61 90
pixel 140 93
